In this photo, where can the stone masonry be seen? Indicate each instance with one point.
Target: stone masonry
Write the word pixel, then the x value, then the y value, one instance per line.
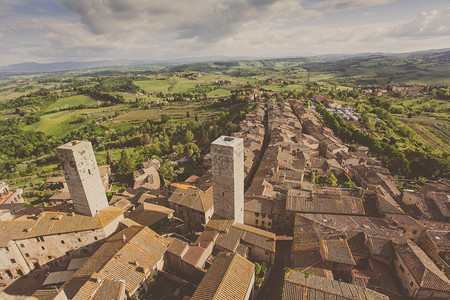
pixel 82 177
pixel 228 177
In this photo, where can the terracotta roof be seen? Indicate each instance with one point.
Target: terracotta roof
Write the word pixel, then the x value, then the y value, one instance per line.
pixel 148 214
pixel 193 198
pixel 128 255
pixel 303 201
pixel 177 247
pixel 45 294
pixel 298 286
pixel 229 277
pixel 425 272
pixel 51 223
pixel 337 251
pixel 109 289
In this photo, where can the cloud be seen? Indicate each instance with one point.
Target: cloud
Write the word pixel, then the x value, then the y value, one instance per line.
pixel 204 20
pixel 341 5
pixel 426 24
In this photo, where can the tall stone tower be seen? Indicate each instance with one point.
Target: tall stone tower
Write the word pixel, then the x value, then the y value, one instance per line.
pixel 82 177
pixel 228 177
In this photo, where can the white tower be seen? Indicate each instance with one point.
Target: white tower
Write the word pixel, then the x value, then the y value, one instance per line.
pixel 228 177
pixel 82 177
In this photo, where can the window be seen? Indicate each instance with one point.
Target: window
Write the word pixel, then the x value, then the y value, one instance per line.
pixel 22 245
pixel 79 239
pixel 263 223
pixel 411 284
pixel 42 247
pixel 7 249
pixel 89 171
pixel 13 260
pixel 40 239
pixel 257 214
pixel 19 272
pixel 95 238
pixel 401 268
pixel 269 224
pixel 49 257
pixel 27 254
pixel 256 222
pixel 263 215
pixel 62 242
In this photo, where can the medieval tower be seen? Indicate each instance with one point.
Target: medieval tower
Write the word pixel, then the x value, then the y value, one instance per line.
pixel 228 177
pixel 82 177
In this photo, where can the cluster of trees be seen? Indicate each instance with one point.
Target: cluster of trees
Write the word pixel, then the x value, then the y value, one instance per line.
pixel 414 163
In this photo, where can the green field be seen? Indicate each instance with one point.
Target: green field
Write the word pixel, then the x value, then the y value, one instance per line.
pixel 175 111
pixel 60 123
pixel 64 103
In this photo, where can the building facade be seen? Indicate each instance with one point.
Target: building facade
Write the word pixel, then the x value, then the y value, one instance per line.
pixel 83 177
pixel 228 177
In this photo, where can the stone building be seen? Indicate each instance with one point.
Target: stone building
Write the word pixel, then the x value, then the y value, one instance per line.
pixel 228 177
pixel 51 239
pixel 82 177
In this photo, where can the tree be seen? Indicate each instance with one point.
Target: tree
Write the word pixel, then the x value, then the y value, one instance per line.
pixel 188 115
pixel 146 139
pixel 257 268
pixel 332 179
pixel 165 118
pixel 126 164
pixel 109 160
pixel 313 177
pixel 188 136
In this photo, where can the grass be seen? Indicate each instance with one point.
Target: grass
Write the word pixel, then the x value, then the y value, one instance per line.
pixel 60 123
pixel 175 111
pixel 73 101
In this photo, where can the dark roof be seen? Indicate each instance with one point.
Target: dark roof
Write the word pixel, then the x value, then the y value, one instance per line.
pixel 298 286
pixel 337 251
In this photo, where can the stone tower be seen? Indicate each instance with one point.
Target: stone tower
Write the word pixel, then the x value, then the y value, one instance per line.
pixel 82 177
pixel 228 177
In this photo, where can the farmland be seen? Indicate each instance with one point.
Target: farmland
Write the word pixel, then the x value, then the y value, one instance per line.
pixel 159 111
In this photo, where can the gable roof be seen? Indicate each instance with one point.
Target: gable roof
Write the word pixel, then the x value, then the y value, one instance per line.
pixel 425 272
pixel 193 198
pixel 128 255
pixel 298 286
pixel 229 277
pixel 50 223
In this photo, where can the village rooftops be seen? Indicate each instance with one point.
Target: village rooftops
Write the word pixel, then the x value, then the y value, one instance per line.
pixel 337 251
pixel 50 223
pixel 302 201
pixel 299 286
pixel 148 214
pixel 229 277
pixel 129 255
pixel 231 235
pixel 192 197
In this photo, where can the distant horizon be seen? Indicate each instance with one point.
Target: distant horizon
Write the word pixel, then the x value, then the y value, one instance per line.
pixel 48 31
pixel 182 60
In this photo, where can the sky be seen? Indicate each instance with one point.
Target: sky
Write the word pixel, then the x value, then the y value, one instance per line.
pixel 89 30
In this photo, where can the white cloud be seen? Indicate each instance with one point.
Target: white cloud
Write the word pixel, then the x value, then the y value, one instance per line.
pixel 426 24
pixel 204 20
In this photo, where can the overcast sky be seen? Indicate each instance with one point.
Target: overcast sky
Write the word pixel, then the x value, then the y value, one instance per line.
pixel 84 30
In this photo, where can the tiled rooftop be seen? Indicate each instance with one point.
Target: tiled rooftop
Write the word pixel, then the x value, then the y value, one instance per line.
pixel 229 277
pixel 298 286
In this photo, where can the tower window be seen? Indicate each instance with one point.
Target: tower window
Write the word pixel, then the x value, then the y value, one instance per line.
pixel 223 193
pixel 89 171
